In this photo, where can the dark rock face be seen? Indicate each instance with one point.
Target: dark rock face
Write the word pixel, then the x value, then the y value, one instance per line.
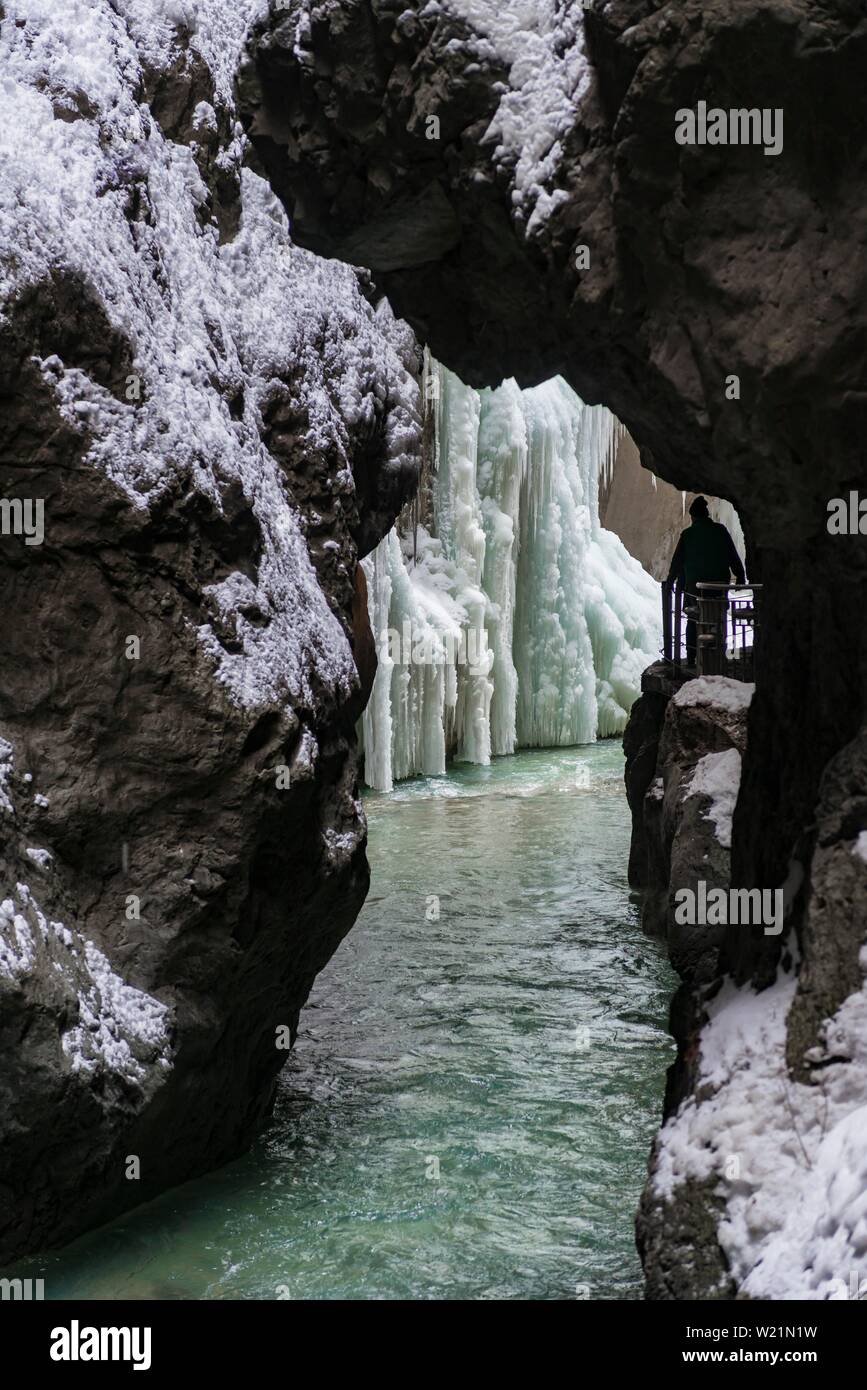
pixel 680 840
pixel 182 845
pixel 641 746
pixel 363 644
pixel 673 842
pixel 832 934
pixel 679 1249
pixel 705 262
pixel 676 845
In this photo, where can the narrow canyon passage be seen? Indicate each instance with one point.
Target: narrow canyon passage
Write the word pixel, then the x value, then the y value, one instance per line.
pixel 497 1018
pixel 401 404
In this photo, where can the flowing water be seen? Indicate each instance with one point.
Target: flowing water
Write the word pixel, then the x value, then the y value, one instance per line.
pixel 477 1077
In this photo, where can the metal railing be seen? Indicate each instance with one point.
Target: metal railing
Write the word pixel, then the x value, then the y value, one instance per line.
pixel 714 633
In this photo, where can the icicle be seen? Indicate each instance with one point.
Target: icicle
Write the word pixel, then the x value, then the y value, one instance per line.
pixel 617 435
pixel 553 655
pixel 502 463
pixel 416 628
pixel 377 720
pixel 458 524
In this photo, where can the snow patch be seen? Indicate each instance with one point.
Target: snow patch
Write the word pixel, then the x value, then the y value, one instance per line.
pixel 719 692
pixel 115 1018
pixel 7 766
pixel 42 858
pixel 795 1221
pixel 718 775
pixel 120 1030
pixel 542 42
pixel 17 945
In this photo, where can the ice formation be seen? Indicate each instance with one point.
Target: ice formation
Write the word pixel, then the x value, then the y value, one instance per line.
pixel 504 614
pixel 718 775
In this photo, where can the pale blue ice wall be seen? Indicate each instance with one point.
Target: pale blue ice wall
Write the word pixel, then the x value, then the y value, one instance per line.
pixel 555 617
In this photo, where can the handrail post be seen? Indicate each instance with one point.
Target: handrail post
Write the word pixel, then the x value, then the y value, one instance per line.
pixel 706 632
pixel 666 619
pixel 717 612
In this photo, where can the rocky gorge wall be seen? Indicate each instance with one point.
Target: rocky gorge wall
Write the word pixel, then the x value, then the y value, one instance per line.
pixel 703 262
pixel 217 426
pixel 648 514
pixel 515 184
pixel 684 745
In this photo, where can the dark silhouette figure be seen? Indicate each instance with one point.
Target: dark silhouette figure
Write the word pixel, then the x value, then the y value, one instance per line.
pixel 705 554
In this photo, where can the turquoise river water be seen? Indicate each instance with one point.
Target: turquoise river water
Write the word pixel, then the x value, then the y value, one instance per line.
pixel 477 1077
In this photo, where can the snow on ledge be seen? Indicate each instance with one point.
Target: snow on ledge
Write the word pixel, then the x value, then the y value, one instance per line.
pixel 718 775
pixel 721 692
pixel 791 1158
pixel 113 1014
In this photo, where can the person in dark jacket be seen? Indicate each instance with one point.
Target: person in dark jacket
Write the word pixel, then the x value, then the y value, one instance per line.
pixel 706 554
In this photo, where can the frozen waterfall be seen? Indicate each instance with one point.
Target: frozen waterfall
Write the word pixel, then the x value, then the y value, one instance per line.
pixel 504 615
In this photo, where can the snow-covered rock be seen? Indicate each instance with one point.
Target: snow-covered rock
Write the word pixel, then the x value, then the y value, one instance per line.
pixel 216 424
pixel 683 772
pixel 757 1177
